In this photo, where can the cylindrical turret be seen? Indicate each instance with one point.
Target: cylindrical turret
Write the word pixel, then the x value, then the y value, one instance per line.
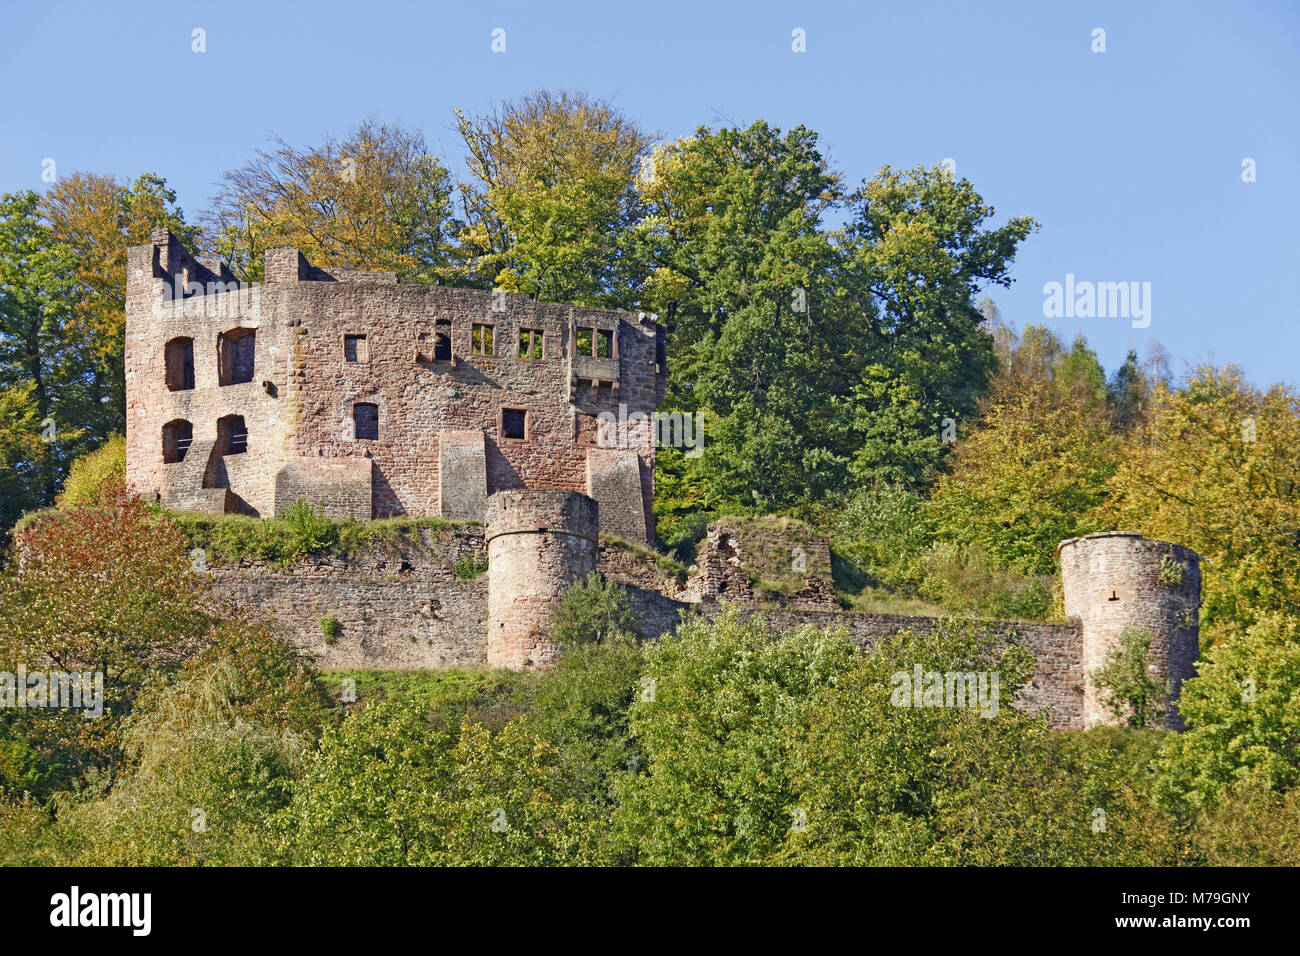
pixel 539 543
pixel 1117 579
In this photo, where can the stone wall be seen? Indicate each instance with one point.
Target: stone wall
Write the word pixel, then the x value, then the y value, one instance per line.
pixel 399 604
pixel 400 607
pixel 327 341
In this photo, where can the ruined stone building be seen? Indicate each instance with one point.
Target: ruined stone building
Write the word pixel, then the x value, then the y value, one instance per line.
pixel 531 424
pixel 366 397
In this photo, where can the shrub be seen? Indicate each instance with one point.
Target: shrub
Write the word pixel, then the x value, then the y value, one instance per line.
pixel 107 588
pixel 1171 571
pixel 1242 720
pixel 591 611
pixel 468 567
pixel 329 628
pixel 581 705
pixel 882 531
pixel 1129 691
pixel 964 580
pixel 309 530
pixel 88 474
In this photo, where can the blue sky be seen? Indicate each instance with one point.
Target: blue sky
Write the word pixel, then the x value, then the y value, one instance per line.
pixel 1131 159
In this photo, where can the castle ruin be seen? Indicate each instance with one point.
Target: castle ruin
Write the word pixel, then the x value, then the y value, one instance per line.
pixel 368 398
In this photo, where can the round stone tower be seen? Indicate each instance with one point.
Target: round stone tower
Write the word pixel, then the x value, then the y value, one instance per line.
pixel 1118 579
pixel 539 542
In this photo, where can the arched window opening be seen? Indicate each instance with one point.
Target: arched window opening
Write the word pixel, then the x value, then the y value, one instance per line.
pixel 235 355
pixel 232 435
pixel 177 437
pixel 180 364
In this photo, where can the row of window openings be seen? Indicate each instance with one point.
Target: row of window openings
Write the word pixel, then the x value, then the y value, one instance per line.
pixel 232 432
pixel 236 350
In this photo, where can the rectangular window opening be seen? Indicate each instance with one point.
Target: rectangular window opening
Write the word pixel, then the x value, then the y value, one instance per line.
pixel 355 349
pixel 530 344
pixel 514 424
pixel 442 341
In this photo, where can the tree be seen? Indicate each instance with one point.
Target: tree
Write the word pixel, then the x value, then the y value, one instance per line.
pixel 388 789
pixel 1128 393
pixel 718 723
pixel 551 197
pixel 373 200
pixel 591 611
pixel 1243 725
pixel 44 362
pixel 581 706
pixel 97 218
pixel 882 784
pixel 94 473
pixel 760 333
pixel 212 756
pixel 918 246
pixel 104 588
pixel 1036 470
pixel 24 455
pixel 1214 467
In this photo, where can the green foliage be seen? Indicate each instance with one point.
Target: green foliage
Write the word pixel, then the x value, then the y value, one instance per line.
pixel 882 530
pixel 469 566
pixel 1213 466
pixel 1033 473
pixel 89 473
pixel 387 788
pixel 581 705
pixel 1251 825
pixel 1171 571
pixel 210 755
pixel 1129 691
pixel 552 197
pixel 281 541
pixel 105 588
pixel 964 580
pixel 591 611
pixel 1243 722
pixel 488 697
pixel 884 785
pixel 718 724
pixel 329 628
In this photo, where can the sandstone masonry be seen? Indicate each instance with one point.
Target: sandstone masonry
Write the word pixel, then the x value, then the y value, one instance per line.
pixel 367 398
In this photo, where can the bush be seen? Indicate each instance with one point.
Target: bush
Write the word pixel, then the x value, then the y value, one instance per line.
pixel 882 532
pixel 329 628
pixel 581 705
pixel 964 580
pixel 388 789
pixel 1242 720
pixel 88 474
pixel 105 588
pixel 1251 825
pixel 1129 691
pixel 468 567
pixel 591 611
